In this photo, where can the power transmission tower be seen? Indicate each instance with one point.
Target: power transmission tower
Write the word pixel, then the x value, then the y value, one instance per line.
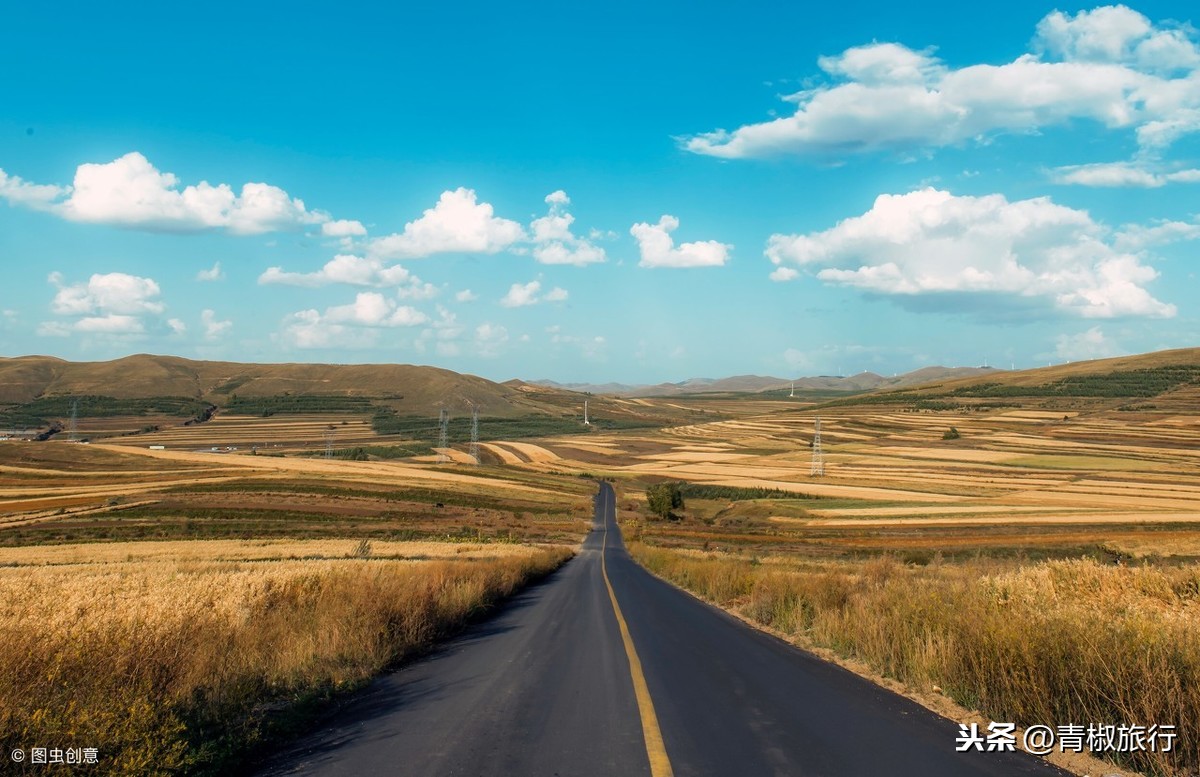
pixel 329 442
pixel 586 422
pixel 443 435
pixel 475 433
pixel 74 417
pixel 818 457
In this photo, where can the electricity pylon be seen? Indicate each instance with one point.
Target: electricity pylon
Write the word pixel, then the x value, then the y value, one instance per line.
pixel 818 457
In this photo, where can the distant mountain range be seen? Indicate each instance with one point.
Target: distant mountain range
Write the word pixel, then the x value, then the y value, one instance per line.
pixel 863 381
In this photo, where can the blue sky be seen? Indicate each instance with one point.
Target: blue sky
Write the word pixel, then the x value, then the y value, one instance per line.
pixel 625 193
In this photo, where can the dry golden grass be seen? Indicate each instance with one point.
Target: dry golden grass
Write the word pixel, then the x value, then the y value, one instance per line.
pixel 175 664
pixel 1056 642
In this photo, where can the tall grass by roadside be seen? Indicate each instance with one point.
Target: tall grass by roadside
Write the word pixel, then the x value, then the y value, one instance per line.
pixel 1059 642
pixel 179 667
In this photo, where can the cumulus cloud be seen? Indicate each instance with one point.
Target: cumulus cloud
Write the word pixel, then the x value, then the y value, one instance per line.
pixel 554 243
pixel 521 295
pixel 457 223
pixel 1115 174
pixel 1110 66
pixel 107 293
pixel 658 249
pixel 930 244
pixel 131 192
pixel 21 192
pixel 490 339
pixel 524 294
pixel 354 271
pixel 343 228
pixel 105 304
pixel 466 295
pixel 213 328
pixel 1136 237
pixel 212 274
pixel 442 333
pixel 355 325
pixel 111 324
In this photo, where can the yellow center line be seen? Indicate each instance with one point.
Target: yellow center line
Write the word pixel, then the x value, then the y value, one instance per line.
pixel 660 765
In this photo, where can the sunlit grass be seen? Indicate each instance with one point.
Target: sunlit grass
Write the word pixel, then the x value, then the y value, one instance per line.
pixel 1055 642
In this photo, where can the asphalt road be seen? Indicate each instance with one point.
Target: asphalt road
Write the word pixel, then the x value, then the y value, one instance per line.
pixel 552 686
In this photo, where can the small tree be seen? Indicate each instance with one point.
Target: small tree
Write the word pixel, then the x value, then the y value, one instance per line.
pixel 951 435
pixel 663 498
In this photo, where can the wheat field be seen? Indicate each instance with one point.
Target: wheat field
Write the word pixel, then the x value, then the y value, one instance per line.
pixel 178 656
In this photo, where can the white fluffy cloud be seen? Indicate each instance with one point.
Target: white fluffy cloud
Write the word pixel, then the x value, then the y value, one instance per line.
pixel 466 295
pixel 658 249
pixel 212 274
pixel 21 192
pixel 1110 66
pixel 521 294
pixel 343 228
pixel 354 271
pixel 131 192
pixel 490 339
pixel 442 333
pixel 458 223
pixel 213 328
pixel 930 243
pixel 1113 174
pixel 524 294
pixel 107 303
pixel 107 293
pixel 356 325
pixel 554 243
pixel 1135 237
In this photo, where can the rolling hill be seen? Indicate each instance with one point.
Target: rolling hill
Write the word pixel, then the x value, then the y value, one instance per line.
pixel 43 388
pixel 1144 381
pixel 863 381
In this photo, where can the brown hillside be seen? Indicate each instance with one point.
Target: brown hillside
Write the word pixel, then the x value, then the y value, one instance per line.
pixel 407 388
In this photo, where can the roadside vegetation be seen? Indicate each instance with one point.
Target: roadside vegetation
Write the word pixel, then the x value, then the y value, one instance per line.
pixel 185 666
pixel 1050 642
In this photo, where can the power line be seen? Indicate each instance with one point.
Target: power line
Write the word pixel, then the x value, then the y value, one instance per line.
pixel 818 456
pixel 475 433
pixel 443 435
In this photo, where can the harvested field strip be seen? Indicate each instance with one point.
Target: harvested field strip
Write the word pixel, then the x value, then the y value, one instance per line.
pixel 346 470
pixel 1085 498
pixel 597 448
pixel 26 494
pixel 818 511
pixel 455 455
pixel 535 453
pixel 826 489
pixel 26 518
pixel 688 456
pixel 1090 518
pixel 504 454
